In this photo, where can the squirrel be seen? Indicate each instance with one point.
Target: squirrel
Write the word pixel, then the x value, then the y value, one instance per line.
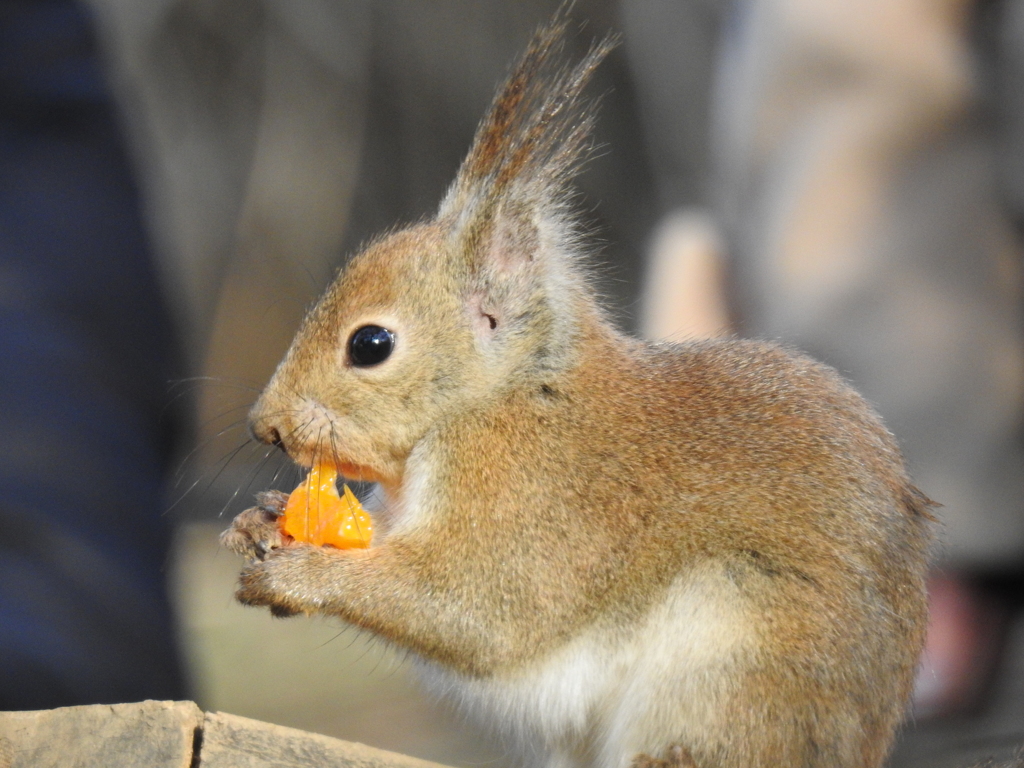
pixel 615 553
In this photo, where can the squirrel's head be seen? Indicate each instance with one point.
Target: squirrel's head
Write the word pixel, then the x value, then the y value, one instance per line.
pixel 436 319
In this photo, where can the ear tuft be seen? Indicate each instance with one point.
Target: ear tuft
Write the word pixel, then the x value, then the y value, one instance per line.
pixel 535 133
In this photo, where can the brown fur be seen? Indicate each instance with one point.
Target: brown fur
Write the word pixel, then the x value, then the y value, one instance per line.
pixel 549 477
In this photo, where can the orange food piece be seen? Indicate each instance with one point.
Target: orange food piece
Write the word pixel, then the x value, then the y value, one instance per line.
pixel 316 514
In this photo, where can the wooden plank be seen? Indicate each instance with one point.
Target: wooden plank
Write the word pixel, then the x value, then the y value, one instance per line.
pixel 230 741
pixel 156 734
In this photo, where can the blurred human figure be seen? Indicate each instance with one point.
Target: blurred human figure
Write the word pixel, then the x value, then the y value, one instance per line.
pixel 860 196
pixel 855 184
pixel 88 350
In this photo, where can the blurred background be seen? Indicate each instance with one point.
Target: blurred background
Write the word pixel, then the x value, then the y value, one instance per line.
pixel 179 179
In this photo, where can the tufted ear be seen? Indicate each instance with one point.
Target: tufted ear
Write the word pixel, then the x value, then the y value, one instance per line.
pixel 510 190
pixel 509 268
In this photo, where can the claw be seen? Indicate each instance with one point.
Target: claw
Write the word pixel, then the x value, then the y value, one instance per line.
pixel 255 533
pixel 272 502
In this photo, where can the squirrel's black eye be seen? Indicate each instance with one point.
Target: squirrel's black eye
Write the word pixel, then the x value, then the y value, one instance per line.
pixel 370 345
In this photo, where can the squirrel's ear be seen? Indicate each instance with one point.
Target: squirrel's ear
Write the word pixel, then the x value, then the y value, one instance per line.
pixel 512 239
pixel 513 181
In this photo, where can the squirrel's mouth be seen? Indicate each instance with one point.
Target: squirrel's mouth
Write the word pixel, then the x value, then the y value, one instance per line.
pixel 308 457
pixel 347 470
pixel 357 472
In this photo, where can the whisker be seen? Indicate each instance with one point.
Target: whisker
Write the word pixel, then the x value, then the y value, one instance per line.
pixel 224 462
pixel 181 388
pixel 281 468
pixel 247 483
pixel 176 390
pixel 335 456
pixel 344 629
pixel 238 383
pixel 200 446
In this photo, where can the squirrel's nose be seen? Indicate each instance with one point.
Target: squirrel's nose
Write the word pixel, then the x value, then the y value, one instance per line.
pixel 262 425
pixel 270 436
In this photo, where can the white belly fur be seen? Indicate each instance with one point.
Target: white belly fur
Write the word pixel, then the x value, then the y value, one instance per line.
pixel 608 695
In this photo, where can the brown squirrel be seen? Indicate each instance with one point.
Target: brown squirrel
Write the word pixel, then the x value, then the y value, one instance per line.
pixel 611 551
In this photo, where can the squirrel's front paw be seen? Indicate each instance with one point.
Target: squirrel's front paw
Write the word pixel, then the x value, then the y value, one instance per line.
pixel 676 757
pixel 255 533
pixel 277 580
